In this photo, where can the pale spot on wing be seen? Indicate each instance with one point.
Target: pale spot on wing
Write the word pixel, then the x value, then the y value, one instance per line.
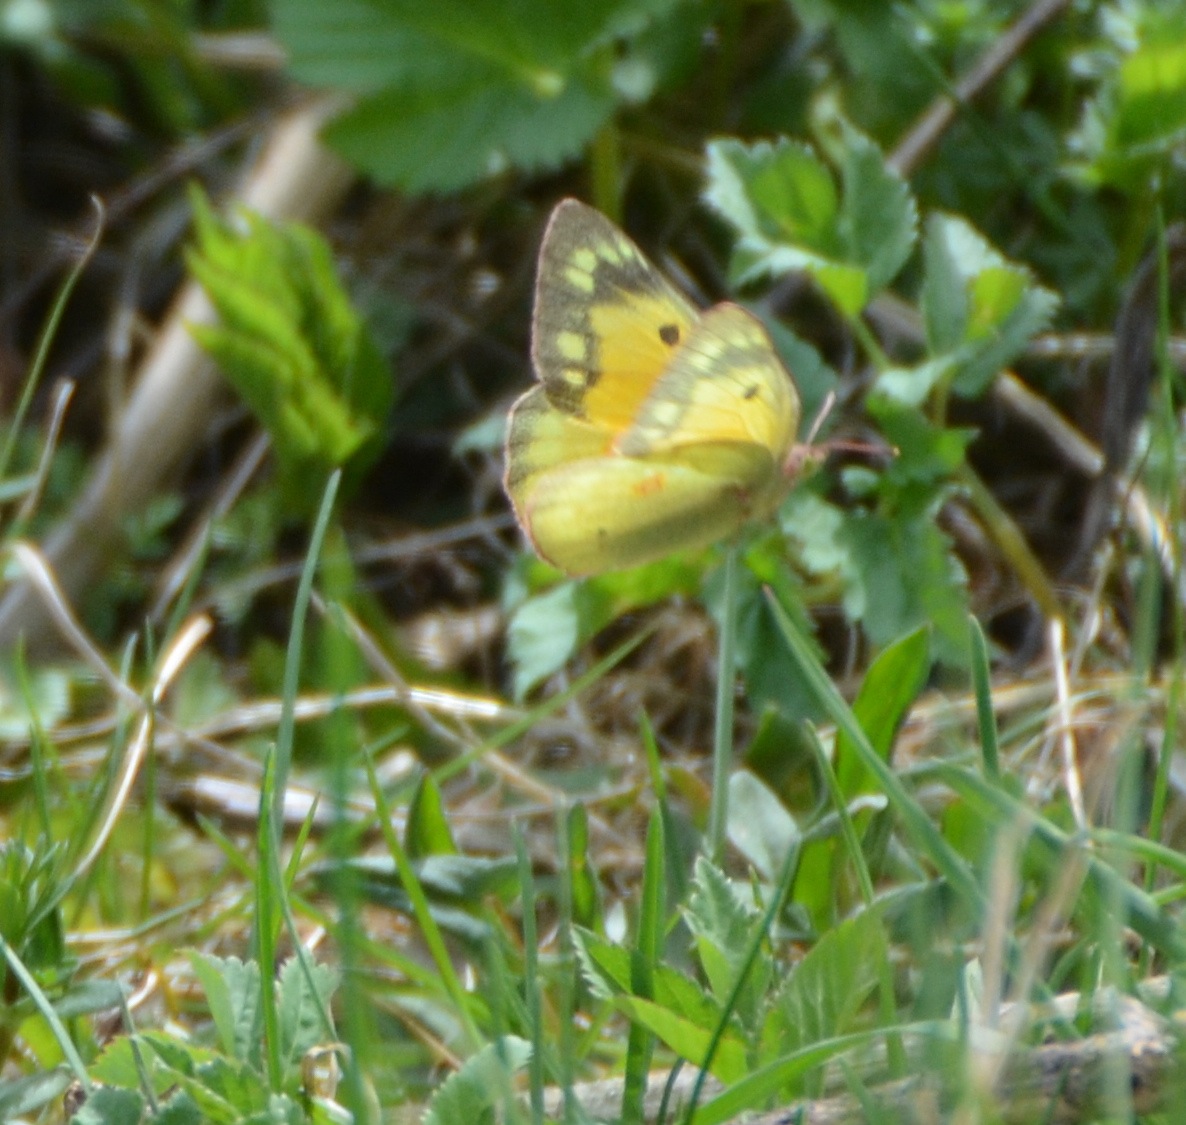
pixel 579 278
pixel 611 252
pixel 666 414
pixel 584 259
pixel 572 346
pixel 574 377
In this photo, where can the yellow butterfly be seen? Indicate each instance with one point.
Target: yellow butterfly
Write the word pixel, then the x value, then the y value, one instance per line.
pixel 655 427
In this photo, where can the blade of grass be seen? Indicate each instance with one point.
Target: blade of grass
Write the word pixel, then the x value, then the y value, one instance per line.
pixel 996 804
pixel 915 820
pixel 722 735
pixel 985 718
pixel 848 832
pixel 42 1003
pixel 421 910
pixel 46 339
pixel 272 900
pixel 531 983
pixel 643 958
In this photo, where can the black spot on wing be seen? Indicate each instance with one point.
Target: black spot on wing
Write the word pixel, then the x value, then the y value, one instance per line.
pixel 669 334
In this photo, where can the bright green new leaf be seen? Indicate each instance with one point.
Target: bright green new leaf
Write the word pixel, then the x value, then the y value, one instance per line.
pixel 233 994
pixel 428 832
pixel 979 309
pixel 888 690
pixel 292 345
pixel 299 1007
pixel 1133 128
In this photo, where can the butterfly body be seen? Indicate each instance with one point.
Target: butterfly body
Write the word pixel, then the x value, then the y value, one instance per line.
pixel 654 427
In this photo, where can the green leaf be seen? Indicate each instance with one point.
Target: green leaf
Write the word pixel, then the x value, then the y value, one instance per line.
pixel 828 988
pixel 585 887
pixel 878 221
pixel 178 1109
pixel 546 629
pixel 608 968
pixel 907 577
pixel 109 1105
pixel 722 922
pixel 300 1015
pixel 233 994
pixel 782 201
pixel 460 90
pixel 979 309
pixel 428 832
pixel 1133 128
pixel 544 633
pixel 25 1095
pixel 888 691
pixel 686 1039
pixel 291 344
pixel 759 825
pixel 483 1082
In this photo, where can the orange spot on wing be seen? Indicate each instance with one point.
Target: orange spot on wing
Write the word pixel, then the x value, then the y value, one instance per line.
pixel 649 485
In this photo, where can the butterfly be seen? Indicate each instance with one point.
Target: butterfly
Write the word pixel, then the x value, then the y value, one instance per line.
pixel 654 426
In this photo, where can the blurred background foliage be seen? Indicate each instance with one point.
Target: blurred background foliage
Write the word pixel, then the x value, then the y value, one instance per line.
pixel 956 216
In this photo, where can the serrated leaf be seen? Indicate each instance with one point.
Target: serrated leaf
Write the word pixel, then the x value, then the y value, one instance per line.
pixel 774 193
pixel 907 577
pixel 458 91
pixel 829 986
pixel 299 1014
pixel 879 219
pixel 291 344
pixel 233 994
pixel 723 923
pixel 108 1105
pixel 606 968
pixel 979 309
pixel 783 202
pixel 483 1081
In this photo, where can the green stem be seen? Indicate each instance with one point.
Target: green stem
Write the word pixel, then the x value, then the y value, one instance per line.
pixel 722 742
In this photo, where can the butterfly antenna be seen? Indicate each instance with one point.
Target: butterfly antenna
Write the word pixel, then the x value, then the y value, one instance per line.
pixel 821 416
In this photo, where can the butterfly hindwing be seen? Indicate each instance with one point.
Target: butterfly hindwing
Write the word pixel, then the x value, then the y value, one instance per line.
pixel 629 512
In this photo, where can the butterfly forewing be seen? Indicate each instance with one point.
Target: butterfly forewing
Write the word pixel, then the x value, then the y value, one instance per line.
pixel 606 321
